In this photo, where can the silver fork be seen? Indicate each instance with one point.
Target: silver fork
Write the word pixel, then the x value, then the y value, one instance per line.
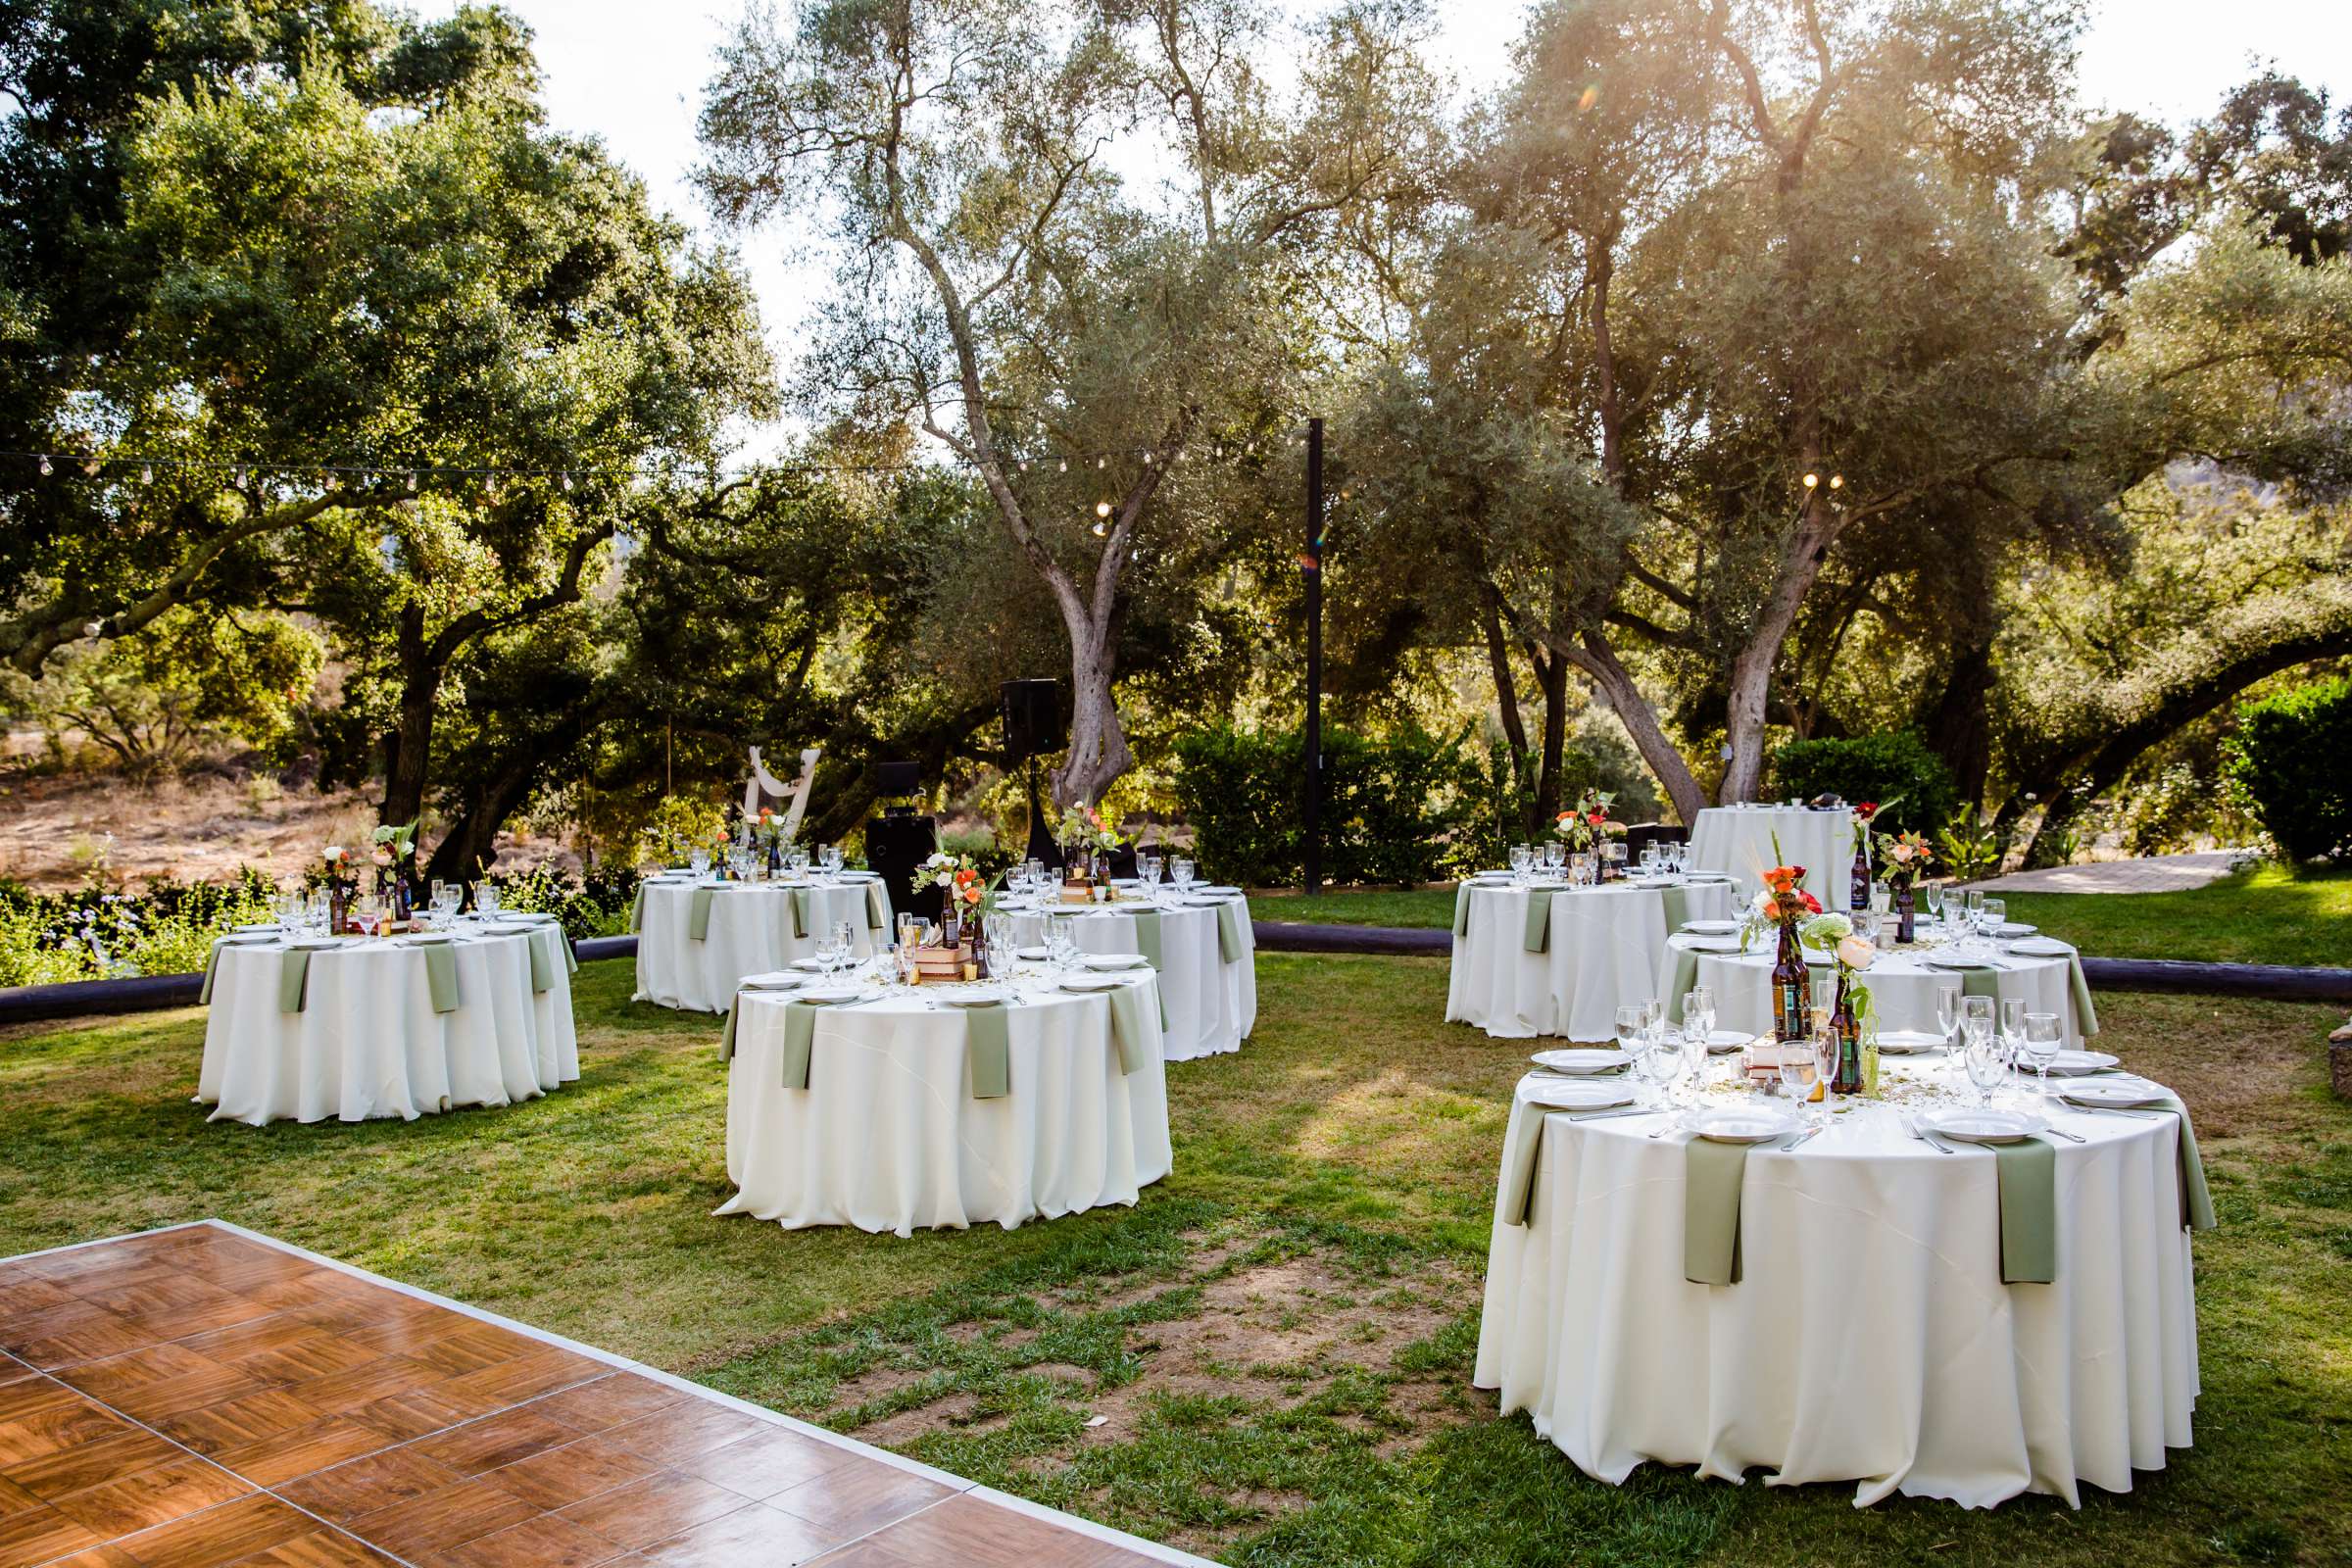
pixel 1911 1126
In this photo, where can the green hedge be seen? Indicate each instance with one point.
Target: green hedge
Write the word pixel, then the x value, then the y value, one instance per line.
pixel 1872 767
pixel 2292 756
pixel 1396 808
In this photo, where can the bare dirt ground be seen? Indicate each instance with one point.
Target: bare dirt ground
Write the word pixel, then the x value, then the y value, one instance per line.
pixel 55 831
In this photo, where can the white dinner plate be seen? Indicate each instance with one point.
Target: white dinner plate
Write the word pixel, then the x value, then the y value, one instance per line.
pixel 1488 878
pixel 1907 1041
pixel 1032 955
pixel 1986 1126
pixel 1561 1094
pixel 1712 944
pixel 1581 1061
pixel 1952 960
pixel 830 993
pixel 1712 928
pixel 810 965
pixel 2114 1093
pixel 245 937
pixel 1709 876
pixel 1217 889
pixel 1723 1042
pixel 2014 928
pixel 976 997
pixel 2041 947
pixel 1112 961
pixel 1091 982
pixel 774 980
pixel 2078 1063
pixel 1739 1124
pixel 315 943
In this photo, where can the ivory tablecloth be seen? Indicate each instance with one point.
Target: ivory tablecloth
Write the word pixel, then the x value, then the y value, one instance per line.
pixel 1212 1004
pixel 1870 1338
pixel 751 933
pixel 1739 839
pixel 888 1136
pixel 1902 985
pixel 1604 949
pixel 368 1042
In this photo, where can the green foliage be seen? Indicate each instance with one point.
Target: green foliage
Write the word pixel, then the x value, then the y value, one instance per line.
pixel 681 825
pixel 1967 848
pixel 1911 783
pixel 2292 756
pixel 594 906
pixel 1400 808
pixel 46 939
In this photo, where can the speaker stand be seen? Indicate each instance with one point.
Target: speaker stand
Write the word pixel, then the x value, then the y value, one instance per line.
pixel 1042 847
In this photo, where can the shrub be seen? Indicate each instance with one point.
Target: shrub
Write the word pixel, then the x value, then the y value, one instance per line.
pixel 1395 809
pixel 594 906
pixel 2289 759
pixel 94 935
pixel 1872 767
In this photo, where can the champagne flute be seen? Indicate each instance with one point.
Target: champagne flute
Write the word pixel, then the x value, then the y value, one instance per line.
pixel 2013 1031
pixel 1824 1040
pixel 845 941
pixel 1947 1011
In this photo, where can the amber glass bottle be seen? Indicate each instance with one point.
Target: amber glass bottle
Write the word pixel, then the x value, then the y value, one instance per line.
pixel 1790 984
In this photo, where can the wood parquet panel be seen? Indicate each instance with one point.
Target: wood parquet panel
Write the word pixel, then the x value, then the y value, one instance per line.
pixel 199 1398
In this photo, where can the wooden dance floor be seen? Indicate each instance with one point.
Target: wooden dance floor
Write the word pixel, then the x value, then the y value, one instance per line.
pixel 200 1396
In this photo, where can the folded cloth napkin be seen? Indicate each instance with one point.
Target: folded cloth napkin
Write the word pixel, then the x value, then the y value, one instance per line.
pixel 2027 1172
pixel 441 975
pixel 637 910
pixel 2196 1202
pixel 1147 942
pixel 804 911
pixel 1676 900
pixel 1234 936
pixel 988 1049
pixel 1461 911
pixel 698 914
pixel 545 943
pixel 1525 1143
pixel 1711 1176
pixel 2087 1016
pixel 750 982
pixel 1979 980
pixel 1686 978
pixel 1538 938
pixel 294 980
pixel 1129 1022
pixel 800 1036
pixel 211 962
pixel 877 906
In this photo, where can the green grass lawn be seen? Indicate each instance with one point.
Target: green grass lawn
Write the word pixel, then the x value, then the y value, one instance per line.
pixel 2266 914
pixel 1278 1338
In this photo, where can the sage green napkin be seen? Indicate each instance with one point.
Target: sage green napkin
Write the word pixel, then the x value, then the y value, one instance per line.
pixel 800 1034
pixel 1462 910
pixel 211 962
pixel 1711 1176
pixel 1233 930
pixel 1686 978
pixel 1525 1141
pixel 2087 1016
pixel 1538 938
pixel 544 943
pixel 877 907
pixel 1979 980
pixel 802 914
pixel 1127 1030
pixel 2196 1202
pixel 293 980
pixel 1148 943
pixel 440 971
pixel 1676 900
pixel 637 908
pixel 988 1049
pixel 698 914
pixel 2027 1171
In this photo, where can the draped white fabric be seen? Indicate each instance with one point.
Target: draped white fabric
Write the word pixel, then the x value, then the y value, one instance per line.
pixel 367 1041
pixel 1212 1004
pixel 751 933
pixel 1871 1338
pixel 887 1136
pixel 1902 987
pixel 1604 949
pixel 1739 839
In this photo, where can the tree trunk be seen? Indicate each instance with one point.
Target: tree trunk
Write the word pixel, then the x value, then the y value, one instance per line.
pixel 409 754
pixel 1752 669
pixel 1959 729
pixel 1098 753
pixel 1596 658
pixel 1554 673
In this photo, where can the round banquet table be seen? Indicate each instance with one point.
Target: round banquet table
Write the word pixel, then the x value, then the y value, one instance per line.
pixel 1870 1337
pixel 888 1135
pixel 750 932
pixel 1739 839
pixel 1212 1004
pixel 365 1040
pixel 1902 983
pixel 1603 948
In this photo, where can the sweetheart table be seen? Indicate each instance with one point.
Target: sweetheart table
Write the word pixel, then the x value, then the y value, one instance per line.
pixel 903 1110
pixel 1739 839
pixel 1564 965
pixel 1868 1335
pixel 697 939
pixel 1204 948
pixel 350 1028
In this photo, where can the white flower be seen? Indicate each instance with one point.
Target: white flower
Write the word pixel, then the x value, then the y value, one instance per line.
pixel 939 861
pixel 1855 953
pixel 334 853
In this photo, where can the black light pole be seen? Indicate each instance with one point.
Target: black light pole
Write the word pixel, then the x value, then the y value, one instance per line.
pixel 1310 563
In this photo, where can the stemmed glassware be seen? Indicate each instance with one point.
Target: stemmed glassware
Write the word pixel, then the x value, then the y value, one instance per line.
pixel 2013 1032
pixel 1824 1040
pixel 1555 856
pixel 2042 1044
pixel 845 943
pixel 1947 1011
pixel 1181 871
pixel 485 899
pixel 1693 1043
pixel 1799 1072
pixel 1522 858
pixel 1976 1028
pixel 698 862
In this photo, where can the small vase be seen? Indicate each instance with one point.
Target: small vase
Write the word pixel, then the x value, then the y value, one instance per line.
pixel 1905 912
pixel 1857 893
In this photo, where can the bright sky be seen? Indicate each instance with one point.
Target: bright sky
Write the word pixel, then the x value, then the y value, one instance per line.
pixel 638 86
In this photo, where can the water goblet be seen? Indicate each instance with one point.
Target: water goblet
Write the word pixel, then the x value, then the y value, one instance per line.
pixel 1521 858
pixel 1798 1075
pixel 485 899
pixel 2042 1040
pixel 1555 856
pixel 1983 1059
pixel 698 862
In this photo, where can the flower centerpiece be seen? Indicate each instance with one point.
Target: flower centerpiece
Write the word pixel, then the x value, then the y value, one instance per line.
pixel 395 858
pixel 335 872
pixel 767 833
pixel 1586 825
pixel 1088 840
pixel 1851 1015
pixel 968 899
pixel 1903 858
pixel 1786 905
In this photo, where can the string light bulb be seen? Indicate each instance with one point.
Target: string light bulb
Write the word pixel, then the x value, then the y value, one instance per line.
pixel 1837 481
pixel 1066 465
pixel 1102 518
pixel 1024 465
pixel 410 484
pixel 1100 463
pixel 565 481
pixel 89 467
pixel 47 467
pixel 1147 457
pixel 146 473
pixel 1811 480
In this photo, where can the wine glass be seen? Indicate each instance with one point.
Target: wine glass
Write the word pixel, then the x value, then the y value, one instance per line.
pixel 1824 1040
pixel 1932 893
pixel 1522 856
pixel 1698 1011
pixel 2013 1028
pixel 1976 1028
pixel 1985 1069
pixel 1798 1074
pixel 845 941
pixel 1947 1011
pixel 1693 1043
pixel 1633 1019
pixel 485 899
